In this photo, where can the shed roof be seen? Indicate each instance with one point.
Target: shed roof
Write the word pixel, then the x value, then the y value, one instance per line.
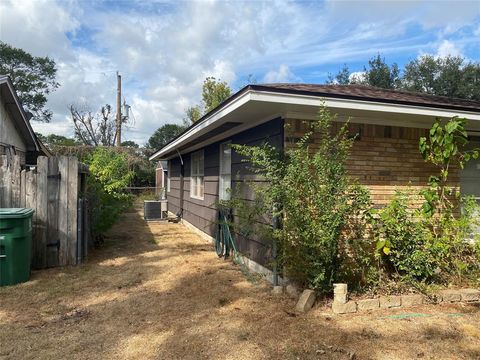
pixel 14 105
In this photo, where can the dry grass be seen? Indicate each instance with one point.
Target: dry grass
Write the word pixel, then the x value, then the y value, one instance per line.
pixel 157 291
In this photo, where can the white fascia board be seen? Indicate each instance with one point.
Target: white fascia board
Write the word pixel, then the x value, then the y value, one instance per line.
pixel 235 104
pixel 350 104
pixel 314 101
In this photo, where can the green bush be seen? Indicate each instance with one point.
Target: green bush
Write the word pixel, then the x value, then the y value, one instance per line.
pixel 110 173
pixel 402 240
pixel 315 199
pixel 431 244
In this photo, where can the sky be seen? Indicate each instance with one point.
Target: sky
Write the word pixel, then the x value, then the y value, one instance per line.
pixel 165 49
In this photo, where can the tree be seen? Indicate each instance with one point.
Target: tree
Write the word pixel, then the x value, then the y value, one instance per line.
pixel 449 76
pixel 193 114
pixel 56 140
pixel 94 129
pixel 33 78
pixel 163 135
pixel 130 143
pixel 214 92
pixel 380 74
pixel 342 77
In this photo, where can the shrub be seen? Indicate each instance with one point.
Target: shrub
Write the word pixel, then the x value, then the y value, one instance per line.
pixel 402 240
pixel 431 243
pixel 110 173
pixel 314 196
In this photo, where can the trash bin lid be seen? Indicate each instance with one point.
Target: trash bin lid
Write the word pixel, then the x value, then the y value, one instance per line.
pixel 15 213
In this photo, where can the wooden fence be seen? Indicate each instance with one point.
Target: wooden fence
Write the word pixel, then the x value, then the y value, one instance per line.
pixel 54 188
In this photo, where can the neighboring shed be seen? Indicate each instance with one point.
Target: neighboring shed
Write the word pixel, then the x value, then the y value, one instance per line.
pixel 384 157
pixel 16 134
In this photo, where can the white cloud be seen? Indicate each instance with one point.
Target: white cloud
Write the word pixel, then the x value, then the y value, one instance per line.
pixel 357 76
pixel 447 48
pixel 281 75
pixel 165 50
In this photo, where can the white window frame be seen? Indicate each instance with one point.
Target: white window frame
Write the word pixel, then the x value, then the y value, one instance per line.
pixel 225 174
pixel 197 174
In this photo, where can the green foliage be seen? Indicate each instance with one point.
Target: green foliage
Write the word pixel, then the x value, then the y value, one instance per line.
pixel 33 78
pixel 214 92
pixel 110 173
pixel 56 140
pixel 342 77
pixel 451 76
pixel 444 147
pixel 163 135
pixel 432 242
pixel 380 74
pixel 403 241
pixel 130 143
pixel 315 199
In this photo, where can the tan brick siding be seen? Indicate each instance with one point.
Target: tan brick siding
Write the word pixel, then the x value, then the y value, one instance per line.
pixel 383 158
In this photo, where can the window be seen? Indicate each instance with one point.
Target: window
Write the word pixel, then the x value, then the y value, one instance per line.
pixel 225 171
pixel 196 175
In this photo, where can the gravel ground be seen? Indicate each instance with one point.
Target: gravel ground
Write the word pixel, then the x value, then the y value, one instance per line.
pixel 158 291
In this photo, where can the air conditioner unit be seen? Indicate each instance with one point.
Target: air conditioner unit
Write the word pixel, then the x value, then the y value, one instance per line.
pixel 155 209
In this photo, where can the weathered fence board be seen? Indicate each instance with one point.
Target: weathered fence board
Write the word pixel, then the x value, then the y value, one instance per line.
pixel 72 206
pixel 51 189
pixel 40 240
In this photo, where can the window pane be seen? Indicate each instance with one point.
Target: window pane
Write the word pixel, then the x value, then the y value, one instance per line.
pixel 200 186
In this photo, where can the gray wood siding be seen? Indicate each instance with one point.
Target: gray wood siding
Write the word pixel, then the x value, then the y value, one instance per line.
pixel 202 213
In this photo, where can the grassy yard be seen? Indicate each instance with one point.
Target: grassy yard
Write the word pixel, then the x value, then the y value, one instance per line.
pixel 157 291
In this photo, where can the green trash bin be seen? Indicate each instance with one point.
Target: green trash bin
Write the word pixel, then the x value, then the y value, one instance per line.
pixel 15 245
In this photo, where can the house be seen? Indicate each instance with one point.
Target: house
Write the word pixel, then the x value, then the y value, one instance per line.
pixel 16 133
pixel 384 157
pixel 161 177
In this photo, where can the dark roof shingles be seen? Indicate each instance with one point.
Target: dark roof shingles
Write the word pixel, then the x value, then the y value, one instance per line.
pixel 376 94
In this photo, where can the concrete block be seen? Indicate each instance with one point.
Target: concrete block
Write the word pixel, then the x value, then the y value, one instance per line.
pixel 340 298
pixel 390 301
pixel 277 290
pixel 292 291
pixel 340 293
pixel 449 295
pixel 306 301
pixel 470 294
pixel 412 300
pixel 349 307
pixel 368 304
pixel 340 288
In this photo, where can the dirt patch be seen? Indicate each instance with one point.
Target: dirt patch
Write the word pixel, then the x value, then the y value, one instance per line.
pixel 158 291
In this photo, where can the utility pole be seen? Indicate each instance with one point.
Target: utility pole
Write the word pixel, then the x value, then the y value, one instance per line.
pixel 119 110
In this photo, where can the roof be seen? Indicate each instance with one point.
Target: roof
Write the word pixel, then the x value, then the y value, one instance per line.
pixel 355 93
pixel 19 116
pixel 363 92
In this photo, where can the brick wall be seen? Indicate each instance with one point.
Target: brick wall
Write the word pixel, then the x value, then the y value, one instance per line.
pixel 383 158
